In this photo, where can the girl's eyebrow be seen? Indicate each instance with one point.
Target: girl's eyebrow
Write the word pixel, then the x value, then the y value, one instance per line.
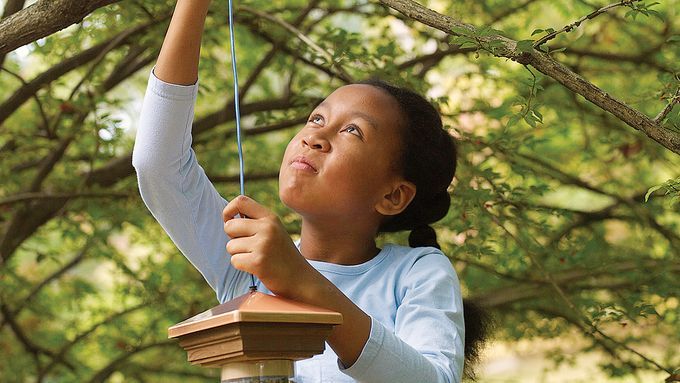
pixel 361 115
pixel 366 118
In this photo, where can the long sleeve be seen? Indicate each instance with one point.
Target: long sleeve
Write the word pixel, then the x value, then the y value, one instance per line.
pixel 427 342
pixel 176 189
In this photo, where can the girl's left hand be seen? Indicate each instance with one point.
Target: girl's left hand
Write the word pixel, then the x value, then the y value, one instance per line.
pixel 261 246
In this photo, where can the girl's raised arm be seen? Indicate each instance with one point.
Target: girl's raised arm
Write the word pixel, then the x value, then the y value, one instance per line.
pixel 173 185
pixel 178 60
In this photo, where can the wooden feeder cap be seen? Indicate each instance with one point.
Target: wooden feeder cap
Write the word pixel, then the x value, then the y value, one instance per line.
pixel 255 326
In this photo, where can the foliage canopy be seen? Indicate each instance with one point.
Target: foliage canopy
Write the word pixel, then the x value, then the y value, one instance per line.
pixel 564 217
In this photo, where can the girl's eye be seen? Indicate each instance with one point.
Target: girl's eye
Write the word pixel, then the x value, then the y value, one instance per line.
pixel 317 119
pixel 353 129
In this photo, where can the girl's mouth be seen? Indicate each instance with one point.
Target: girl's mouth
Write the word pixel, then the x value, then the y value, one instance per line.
pixel 302 163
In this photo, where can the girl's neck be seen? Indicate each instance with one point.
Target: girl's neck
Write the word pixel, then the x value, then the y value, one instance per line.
pixel 339 244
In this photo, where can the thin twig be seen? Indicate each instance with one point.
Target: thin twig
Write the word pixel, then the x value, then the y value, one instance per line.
pixel 62 352
pixel 592 15
pixel 43 115
pixel 255 73
pixel 27 343
pixel 674 100
pixel 75 261
pixel 568 301
pixel 302 37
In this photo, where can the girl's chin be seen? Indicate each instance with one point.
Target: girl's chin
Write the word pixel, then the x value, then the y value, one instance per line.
pixel 294 200
pixel 303 204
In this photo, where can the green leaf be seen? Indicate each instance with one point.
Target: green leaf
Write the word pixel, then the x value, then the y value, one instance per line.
pixel 462 31
pixel 652 190
pixel 529 119
pixel 525 46
pixel 469 44
pixel 513 120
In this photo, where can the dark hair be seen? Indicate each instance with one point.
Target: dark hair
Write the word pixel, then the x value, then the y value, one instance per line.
pixel 428 159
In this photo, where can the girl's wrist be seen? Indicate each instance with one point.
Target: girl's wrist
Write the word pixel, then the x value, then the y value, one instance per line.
pixel 350 337
pixel 309 285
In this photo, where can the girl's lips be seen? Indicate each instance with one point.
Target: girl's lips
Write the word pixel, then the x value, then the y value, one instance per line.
pixel 302 163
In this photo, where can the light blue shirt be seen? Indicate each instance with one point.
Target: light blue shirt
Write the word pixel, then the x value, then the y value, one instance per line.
pixel 411 294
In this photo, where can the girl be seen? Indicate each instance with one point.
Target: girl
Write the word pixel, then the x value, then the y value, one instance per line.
pixel 372 158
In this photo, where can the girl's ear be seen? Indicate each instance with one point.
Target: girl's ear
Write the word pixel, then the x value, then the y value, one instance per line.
pixel 397 198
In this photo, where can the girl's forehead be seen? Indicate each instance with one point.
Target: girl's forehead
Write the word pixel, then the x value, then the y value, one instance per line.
pixel 364 92
pixel 365 98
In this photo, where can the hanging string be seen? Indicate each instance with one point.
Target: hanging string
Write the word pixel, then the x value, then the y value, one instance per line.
pixel 237 109
pixel 236 97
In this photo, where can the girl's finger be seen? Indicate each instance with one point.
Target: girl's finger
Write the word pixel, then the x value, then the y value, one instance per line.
pixel 240 227
pixel 245 206
pixel 240 261
pixel 236 246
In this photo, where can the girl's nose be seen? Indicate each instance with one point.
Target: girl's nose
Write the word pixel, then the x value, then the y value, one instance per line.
pixel 317 142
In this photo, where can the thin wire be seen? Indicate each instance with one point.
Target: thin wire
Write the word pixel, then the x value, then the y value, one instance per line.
pixel 237 108
pixel 236 97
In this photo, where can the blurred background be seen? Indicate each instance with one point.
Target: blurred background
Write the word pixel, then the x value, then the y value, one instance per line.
pixel 564 223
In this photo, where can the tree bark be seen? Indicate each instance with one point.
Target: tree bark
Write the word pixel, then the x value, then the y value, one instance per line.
pixel 11 7
pixel 42 19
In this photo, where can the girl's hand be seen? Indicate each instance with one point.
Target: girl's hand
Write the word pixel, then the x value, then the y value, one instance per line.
pixel 261 246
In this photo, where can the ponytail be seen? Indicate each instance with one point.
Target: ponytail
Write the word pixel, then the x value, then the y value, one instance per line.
pixel 423 236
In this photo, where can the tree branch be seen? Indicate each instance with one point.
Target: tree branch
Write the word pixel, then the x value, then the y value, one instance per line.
pixel 28 197
pixel 48 163
pixel 281 44
pixel 44 18
pixel 103 374
pixel 256 131
pixel 26 220
pixel 31 88
pixel 11 7
pixel 41 109
pixel 598 340
pixel 248 177
pixel 560 290
pixel 302 37
pixel 63 351
pixel 645 57
pixel 569 280
pixel 506 47
pixel 23 338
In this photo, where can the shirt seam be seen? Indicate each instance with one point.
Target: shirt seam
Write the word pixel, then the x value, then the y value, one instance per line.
pixel 194 210
pixel 181 93
pixel 358 272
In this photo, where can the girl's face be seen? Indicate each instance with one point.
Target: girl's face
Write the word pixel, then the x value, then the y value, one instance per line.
pixel 344 160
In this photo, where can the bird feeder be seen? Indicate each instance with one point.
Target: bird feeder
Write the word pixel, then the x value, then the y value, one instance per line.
pixel 256 337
